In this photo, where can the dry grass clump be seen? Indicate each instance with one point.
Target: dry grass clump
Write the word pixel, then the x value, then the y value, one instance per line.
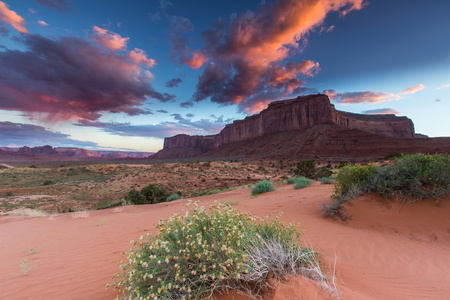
pixel 197 254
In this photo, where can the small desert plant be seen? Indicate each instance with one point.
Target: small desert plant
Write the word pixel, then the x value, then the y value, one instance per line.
pixel 174 197
pixel 302 182
pixel 263 187
pixel 392 155
pixel 323 172
pixel 325 180
pixel 199 253
pixel 9 194
pixel 32 250
pixel 148 195
pixel 25 267
pixel 48 182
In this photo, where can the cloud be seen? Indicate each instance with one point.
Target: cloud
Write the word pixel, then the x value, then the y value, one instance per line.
pixel 381 111
pixel 162 111
pixel 155 17
pixel 197 60
pixel 173 82
pixel 443 86
pixel 60 5
pixel 33 135
pixel 190 115
pixel 33 11
pixel 413 89
pixel 365 97
pixel 69 78
pixel 3 30
pixel 187 104
pixel 42 23
pixel 109 39
pixel 138 56
pixel 247 57
pixel 161 130
pixel 12 18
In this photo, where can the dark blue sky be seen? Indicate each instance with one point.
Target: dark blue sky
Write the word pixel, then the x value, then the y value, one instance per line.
pixel 123 75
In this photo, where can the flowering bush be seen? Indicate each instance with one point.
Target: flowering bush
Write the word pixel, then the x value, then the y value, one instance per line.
pixel 195 254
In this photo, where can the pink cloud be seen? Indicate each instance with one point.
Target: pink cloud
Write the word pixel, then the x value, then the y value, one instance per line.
pixel 365 97
pixel 12 18
pixel 109 39
pixel 71 79
pixel 413 89
pixel 381 111
pixel 247 57
pixel 138 56
pixel 42 23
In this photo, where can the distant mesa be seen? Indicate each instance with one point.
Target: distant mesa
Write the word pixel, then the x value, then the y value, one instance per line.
pixel 48 153
pixel 303 128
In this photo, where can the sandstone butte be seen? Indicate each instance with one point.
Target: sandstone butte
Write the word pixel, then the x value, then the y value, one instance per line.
pixel 307 127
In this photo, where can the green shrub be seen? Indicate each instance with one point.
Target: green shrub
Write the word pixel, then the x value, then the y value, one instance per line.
pixel 302 182
pixel 173 197
pixel 48 182
pixel 392 155
pixel 263 187
pixel 325 180
pixel 411 177
pixel 198 253
pixel 323 172
pixel 306 168
pixel 148 195
pixel 291 181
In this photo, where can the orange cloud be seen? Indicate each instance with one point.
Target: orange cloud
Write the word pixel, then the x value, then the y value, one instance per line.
pixel 197 60
pixel 413 89
pixel 12 18
pixel 138 56
pixel 109 39
pixel 247 56
pixel 42 23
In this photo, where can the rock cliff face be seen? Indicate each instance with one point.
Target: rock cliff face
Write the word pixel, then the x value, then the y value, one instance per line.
pixel 294 115
pixel 46 150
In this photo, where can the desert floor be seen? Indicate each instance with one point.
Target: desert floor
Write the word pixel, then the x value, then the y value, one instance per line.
pixel 383 253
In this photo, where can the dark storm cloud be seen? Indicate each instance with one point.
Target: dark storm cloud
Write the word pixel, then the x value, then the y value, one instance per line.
pixel 173 82
pixel 70 78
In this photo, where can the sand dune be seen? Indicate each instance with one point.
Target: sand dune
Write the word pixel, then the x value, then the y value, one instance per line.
pixel 383 253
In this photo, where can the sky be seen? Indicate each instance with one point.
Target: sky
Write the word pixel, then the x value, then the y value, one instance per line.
pixel 122 75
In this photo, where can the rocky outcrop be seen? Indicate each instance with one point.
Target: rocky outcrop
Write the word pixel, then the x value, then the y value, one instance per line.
pixel 48 153
pixel 77 152
pixel 293 115
pixel 45 150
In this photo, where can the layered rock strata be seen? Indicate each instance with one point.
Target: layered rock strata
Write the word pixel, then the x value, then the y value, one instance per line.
pixel 294 115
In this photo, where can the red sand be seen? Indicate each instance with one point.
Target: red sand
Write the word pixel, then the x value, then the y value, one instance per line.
pixel 383 253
